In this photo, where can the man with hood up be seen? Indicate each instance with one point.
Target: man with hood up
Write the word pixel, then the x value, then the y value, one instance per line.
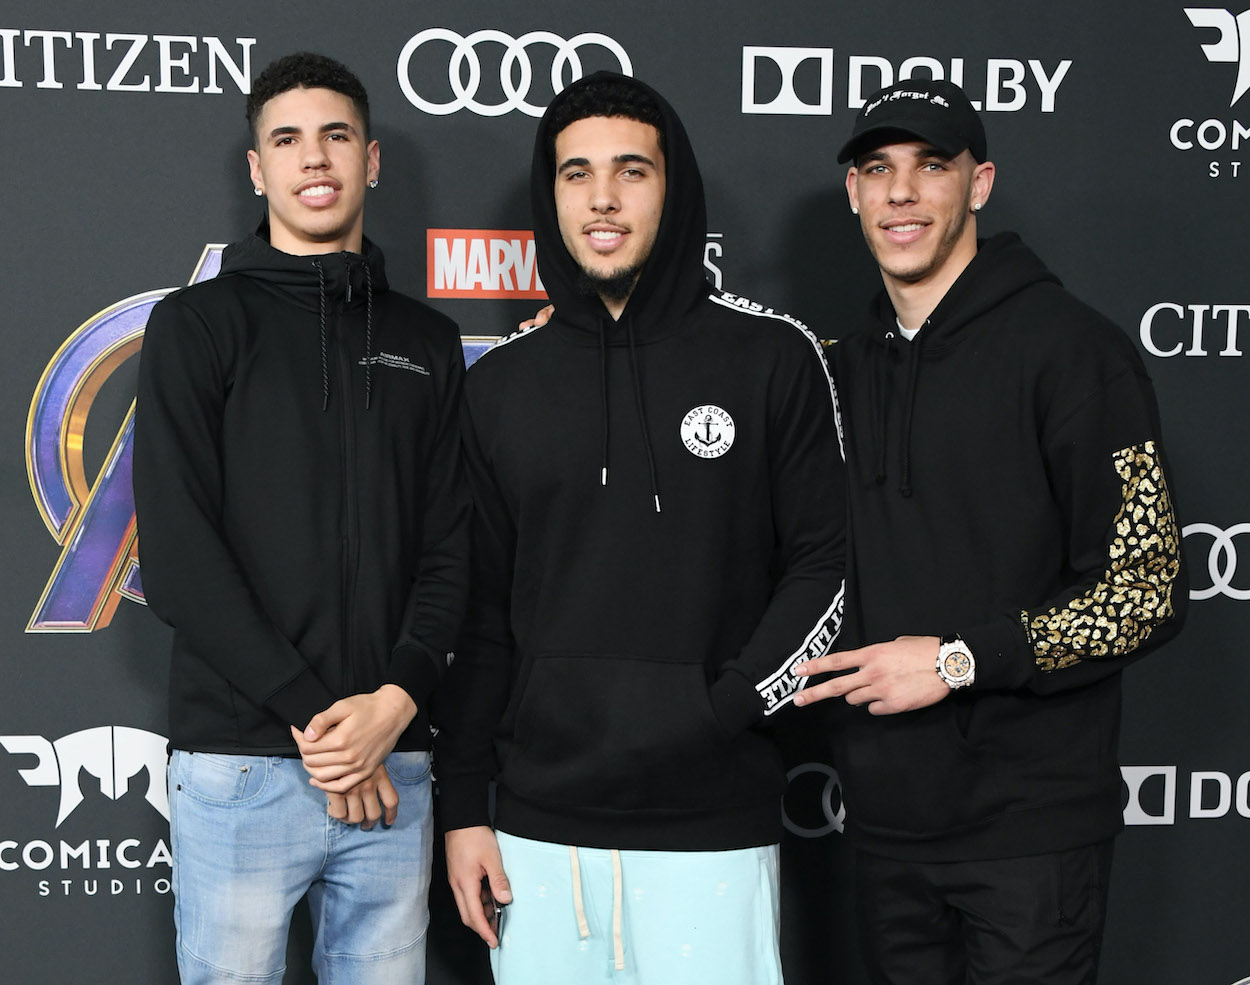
pixel 303 523
pixel 1013 549
pixel 657 546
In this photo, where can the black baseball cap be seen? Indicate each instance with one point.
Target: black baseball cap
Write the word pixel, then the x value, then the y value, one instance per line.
pixel 932 109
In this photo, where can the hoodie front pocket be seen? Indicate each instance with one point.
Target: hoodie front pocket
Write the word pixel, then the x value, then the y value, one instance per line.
pixel 617 732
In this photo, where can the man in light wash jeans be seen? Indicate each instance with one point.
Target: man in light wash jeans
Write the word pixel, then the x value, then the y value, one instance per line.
pixel 303 521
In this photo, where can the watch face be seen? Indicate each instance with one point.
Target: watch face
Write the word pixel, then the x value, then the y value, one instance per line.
pixel 957 665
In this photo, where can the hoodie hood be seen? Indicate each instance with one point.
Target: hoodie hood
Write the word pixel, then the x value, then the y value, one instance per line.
pixel 672 279
pixel 316 283
pixel 345 277
pixel 1003 266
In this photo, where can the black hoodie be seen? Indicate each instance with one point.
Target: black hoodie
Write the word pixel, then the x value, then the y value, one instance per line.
pixel 642 588
pixel 1006 481
pixel 302 512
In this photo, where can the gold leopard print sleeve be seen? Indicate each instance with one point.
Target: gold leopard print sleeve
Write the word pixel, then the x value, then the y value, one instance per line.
pixel 1135 594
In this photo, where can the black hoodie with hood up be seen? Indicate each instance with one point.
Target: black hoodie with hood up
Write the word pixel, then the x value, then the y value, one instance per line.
pixel 1006 482
pixel 303 518
pixel 657 543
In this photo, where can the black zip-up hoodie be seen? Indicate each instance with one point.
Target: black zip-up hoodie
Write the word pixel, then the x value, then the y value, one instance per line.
pixel 303 519
pixel 658 541
pixel 1007 484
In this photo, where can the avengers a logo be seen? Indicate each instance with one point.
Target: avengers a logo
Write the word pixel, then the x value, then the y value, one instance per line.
pixel 1221 560
pixel 113 755
pixel 515 73
pixel 93 519
pixel 707 431
pixel 1233 45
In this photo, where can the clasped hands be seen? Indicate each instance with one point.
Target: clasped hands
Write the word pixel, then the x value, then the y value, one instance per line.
pixel 343 748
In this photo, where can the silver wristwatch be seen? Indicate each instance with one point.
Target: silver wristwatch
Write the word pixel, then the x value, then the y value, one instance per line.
pixel 955 663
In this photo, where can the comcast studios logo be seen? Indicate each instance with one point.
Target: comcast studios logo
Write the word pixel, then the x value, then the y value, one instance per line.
pixel 491 73
pixel 1218 135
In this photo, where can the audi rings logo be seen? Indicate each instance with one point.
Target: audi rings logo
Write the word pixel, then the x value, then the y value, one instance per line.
pixel 1221 560
pixel 516 70
pixel 808 816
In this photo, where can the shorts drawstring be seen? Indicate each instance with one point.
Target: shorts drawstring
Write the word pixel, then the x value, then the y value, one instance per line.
pixel 583 928
pixel 618 905
pixel 618 942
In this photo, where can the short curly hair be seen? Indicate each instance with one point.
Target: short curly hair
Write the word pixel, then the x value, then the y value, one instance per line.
pixel 305 70
pixel 603 97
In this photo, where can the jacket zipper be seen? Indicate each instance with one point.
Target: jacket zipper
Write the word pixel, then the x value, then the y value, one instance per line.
pixel 351 531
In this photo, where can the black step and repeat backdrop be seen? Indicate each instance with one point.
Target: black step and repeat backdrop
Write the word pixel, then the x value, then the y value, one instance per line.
pixel 1117 130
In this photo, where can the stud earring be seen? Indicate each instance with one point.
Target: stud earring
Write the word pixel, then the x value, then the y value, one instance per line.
pixel 257 192
pixel 976 206
pixel 373 183
pixel 854 210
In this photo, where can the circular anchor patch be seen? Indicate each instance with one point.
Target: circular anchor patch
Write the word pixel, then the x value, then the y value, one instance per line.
pixel 707 431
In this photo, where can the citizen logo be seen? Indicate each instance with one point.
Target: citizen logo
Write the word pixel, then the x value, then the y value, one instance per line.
pixel 1221 560
pixel 1153 795
pixel 812 806
pixel 1170 329
pixel 792 81
pixel 509 86
pixel 113 755
pixel 124 62
pixel 1233 45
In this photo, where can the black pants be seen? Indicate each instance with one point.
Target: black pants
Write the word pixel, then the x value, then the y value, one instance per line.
pixel 1036 920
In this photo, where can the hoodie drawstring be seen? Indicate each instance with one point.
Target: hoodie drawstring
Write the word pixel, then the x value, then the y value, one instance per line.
pixel 881 401
pixel 368 332
pixel 325 360
pixel 603 399
pixel 880 396
pixel 642 411
pixel 909 406
pixel 325 354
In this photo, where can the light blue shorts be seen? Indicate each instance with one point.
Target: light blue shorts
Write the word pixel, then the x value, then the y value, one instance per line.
pixel 250 836
pixel 582 916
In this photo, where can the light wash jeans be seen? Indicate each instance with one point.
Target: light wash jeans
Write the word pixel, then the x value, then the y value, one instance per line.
pixel 250 837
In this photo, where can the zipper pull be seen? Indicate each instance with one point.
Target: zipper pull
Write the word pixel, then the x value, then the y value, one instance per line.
pixel 349 285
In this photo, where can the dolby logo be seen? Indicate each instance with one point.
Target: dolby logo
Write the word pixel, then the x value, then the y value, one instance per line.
pixel 1154 795
pixel 796 81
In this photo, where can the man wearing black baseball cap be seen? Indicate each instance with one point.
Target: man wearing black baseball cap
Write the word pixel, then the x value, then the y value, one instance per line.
pixel 1013 548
